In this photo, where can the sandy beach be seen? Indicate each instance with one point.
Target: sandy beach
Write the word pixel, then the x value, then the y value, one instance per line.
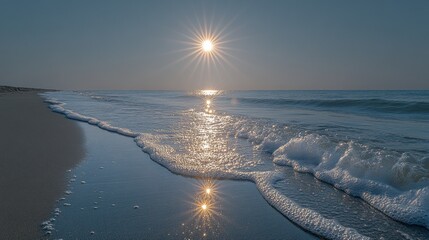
pixel 37 148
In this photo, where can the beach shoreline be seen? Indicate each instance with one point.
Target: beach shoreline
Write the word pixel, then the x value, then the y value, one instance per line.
pixel 119 192
pixel 37 148
pixel 42 149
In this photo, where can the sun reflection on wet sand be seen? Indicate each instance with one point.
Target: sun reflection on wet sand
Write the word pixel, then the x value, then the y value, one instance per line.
pixel 208 187
pixel 206 217
pixel 205 199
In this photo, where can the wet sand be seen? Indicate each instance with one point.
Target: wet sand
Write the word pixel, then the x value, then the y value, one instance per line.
pixel 37 147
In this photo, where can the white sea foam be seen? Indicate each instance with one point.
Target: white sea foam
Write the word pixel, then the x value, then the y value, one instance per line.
pixel 396 184
pixel 48 226
pixel 366 173
pixel 57 106
pixel 305 217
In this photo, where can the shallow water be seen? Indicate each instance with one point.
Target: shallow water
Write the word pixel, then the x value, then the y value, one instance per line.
pixel 370 144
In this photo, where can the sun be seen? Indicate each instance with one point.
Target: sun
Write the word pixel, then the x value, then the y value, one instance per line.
pixel 207 46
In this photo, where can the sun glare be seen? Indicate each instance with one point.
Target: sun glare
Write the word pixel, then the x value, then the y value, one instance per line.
pixel 207 46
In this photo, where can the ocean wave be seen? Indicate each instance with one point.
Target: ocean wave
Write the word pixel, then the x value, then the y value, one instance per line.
pixel 376 176
pixel 374 104
pixel 395 183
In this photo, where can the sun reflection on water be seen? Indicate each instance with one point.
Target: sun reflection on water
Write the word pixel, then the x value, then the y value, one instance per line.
pixel 203 140
pixel 209 92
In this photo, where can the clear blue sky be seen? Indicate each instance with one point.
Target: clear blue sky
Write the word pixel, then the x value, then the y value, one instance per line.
pixel 269 44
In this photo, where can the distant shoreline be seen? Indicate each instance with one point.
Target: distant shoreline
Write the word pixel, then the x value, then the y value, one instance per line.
pixel 11 89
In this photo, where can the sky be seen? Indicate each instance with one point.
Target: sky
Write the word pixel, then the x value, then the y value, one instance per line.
pixel 284 45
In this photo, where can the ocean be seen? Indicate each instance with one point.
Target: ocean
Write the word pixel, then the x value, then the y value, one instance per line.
pixel 300 148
